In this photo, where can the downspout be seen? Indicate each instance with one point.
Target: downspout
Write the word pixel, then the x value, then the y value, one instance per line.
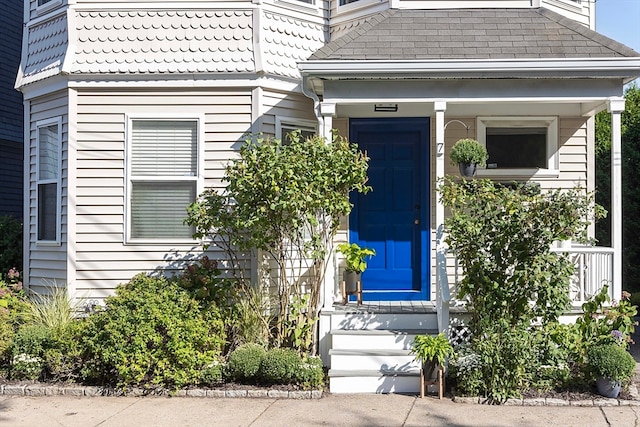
pixel 316 103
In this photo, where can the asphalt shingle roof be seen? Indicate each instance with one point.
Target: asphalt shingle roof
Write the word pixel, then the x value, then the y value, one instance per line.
pixel 471 34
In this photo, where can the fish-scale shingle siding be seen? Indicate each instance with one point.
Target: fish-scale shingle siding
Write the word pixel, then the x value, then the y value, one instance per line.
pixel 288 40
pixel 46 49
pixel 164 42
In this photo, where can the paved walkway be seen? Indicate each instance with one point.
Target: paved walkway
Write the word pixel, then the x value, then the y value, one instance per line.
pixel 331 410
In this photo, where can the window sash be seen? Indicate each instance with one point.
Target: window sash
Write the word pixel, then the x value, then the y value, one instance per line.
pixel 164 148
pixel 158 209
pixel 163 177
pixel 48 172
pixel 517 148
pixel 47 211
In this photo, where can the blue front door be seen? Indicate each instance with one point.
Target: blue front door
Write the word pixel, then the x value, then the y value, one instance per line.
pixel 393 219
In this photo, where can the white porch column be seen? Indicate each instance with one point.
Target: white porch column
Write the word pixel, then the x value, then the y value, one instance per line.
pixel 442 298
pixel 329 289
pixel 616 107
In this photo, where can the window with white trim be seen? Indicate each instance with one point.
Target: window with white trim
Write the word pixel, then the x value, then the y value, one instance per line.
pixel 41 2
pixel 519 145
pixel 49 170
pixel 163 177
pixel 286 125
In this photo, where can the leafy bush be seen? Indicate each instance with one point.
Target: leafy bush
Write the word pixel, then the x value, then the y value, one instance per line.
pixel 10 243
pixel 244 362
pixel 610 361
pixel 310 374
pixel 152 334
pixel 280 366
pixel 27 351
pixel 286 200
pixel 502 237
pixel 13 310
pixel 212 374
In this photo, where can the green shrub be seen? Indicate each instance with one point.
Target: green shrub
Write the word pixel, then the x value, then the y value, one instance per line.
pixel 27 351
pixel 244 362
pixel 212 374
pixel 13 310
pixel 151 334
pixel 610 361
pixel 310 374
pixel 280 366
pixel 64 360
pixel 10 243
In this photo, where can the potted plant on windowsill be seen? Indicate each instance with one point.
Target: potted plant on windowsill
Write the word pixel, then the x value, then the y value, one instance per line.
pixel 612 366
pixel 355 263
pixel 468 154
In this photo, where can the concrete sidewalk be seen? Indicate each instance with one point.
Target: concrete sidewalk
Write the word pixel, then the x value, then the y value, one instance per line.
pixel 331 410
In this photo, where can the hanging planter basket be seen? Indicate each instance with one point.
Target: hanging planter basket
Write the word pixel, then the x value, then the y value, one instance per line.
pixel 467 169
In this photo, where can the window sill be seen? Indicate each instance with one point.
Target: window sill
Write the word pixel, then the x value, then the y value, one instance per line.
pixel 180 242
pixel 48 243
pixel 518 173
pixel 50 5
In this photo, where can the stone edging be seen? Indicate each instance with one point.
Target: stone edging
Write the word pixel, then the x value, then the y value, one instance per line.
pixel 89 391
pixel 541 401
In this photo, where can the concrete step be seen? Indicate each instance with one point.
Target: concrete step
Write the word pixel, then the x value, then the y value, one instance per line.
pixel 371 339
pixel 373 359
pixel 374 381
pixel 386 321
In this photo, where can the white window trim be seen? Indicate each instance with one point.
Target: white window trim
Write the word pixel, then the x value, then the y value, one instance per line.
pixel 549 122
pixel 299 5
pixel 358 4
pixel 58 181
pixel 199 118
pixel 291 122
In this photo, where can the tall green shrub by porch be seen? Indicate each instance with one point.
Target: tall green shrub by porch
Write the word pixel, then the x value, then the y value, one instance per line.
pixel 502 237
pixel 286 201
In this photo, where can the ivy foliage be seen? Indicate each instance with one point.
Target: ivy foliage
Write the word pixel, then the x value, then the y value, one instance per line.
pixel 285 200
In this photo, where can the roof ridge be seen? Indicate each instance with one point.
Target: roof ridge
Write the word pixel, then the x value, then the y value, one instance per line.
pixel 587 32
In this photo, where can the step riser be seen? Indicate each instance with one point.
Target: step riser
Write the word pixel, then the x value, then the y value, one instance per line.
pixel 372 342
pixel 374 384
pixel 384 321
pixel 373 362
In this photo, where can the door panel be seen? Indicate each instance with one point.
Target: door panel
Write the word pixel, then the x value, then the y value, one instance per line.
pixel 392 219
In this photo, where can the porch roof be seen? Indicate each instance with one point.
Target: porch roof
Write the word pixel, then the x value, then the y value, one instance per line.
pixel 470 44
pixel 471 34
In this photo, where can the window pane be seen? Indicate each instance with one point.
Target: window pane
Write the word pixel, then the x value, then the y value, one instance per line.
pixel 48 152
pixel 47 211
pixel 343 2
pixel 517 148
pixel 304 133
pixel 159 208
pixel 164 148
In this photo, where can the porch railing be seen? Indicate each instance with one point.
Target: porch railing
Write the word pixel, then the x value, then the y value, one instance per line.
pixel 594 268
